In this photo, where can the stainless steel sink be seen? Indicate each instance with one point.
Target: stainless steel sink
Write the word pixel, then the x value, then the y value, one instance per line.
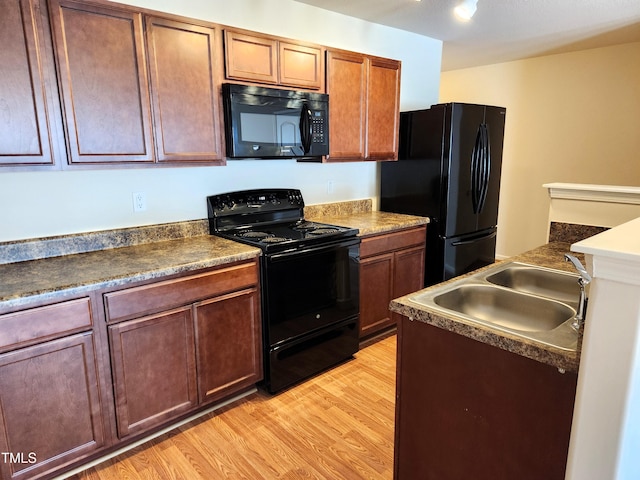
pixel 540 281
pixel 524 300
pixel 506 308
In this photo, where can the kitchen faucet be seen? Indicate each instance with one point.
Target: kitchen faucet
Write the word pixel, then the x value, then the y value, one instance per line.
pixel 583 281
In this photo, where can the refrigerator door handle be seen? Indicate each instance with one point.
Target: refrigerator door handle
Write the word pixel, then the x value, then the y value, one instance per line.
pixel 486 167
pixel 476 173
pixel 474 239
pixel 480 168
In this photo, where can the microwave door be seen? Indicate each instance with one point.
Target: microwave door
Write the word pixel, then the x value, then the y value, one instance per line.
pixel 288 133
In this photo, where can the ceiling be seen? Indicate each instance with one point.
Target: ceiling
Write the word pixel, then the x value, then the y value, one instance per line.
pixel 503 30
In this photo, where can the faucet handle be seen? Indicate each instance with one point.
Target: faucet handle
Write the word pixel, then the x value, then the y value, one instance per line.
pixel 586 278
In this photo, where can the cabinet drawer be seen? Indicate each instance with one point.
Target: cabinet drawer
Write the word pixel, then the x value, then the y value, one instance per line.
pixel 28 327
pixel 155 297
pixel 392 241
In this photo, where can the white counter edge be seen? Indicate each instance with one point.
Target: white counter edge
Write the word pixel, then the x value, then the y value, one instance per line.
pixel 594 193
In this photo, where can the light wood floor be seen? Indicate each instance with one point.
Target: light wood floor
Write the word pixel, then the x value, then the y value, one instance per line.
pixel 339 425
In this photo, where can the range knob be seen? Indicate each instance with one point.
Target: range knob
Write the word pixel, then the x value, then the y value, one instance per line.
pixel 295 197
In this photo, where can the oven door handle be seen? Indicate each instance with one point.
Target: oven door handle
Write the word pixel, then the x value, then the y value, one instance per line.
pixel 283 256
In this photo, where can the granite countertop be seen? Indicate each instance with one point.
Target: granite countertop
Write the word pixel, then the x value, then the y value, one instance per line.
pixel 55 268
pixel 71 275
pixel 372 222
pixel 551 256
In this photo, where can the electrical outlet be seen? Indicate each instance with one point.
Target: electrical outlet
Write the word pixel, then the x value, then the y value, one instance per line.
pixel 139 201
pixel 330 186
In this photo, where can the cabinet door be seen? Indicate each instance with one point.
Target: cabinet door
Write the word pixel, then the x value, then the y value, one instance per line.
pixel 383 109
pixel 300 66
pixel 103 76
pixel 251 58
pixel 376 289
pixel 228 333
pixel 476 402
pixel 31 128
pixel 153 364
pixel 408 273
pixel 49 406
pixel 183 64
pixel 346 86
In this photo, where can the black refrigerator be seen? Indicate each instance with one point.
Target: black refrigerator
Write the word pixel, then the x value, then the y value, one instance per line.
pixel 448 169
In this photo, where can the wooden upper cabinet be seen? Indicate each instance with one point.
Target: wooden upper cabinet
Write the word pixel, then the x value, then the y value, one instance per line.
pixel 251 58
pixel 346 86
pixel 183 63
pixel 103 78
pixel 30 118
pixel 383 109
pixel 300 66
pixel 364 106
pixel 265 59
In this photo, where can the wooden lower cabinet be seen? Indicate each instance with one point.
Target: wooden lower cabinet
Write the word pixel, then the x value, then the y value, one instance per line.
pixel 153 365
pixel 229 355
pixel 391 265
pixel 465 409
pixel 50 411
pixel 75 385
pixel 203 344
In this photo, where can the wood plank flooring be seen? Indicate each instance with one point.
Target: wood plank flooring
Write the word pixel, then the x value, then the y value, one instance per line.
pixel 338 425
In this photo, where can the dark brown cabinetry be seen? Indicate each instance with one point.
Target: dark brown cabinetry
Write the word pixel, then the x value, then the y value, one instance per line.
pixel 383 109
pixel 31 132
pixel 153 364
pixel 180 343
pixel 108 94
pixel 251 57
pixel 466 409
pixel 229 355
pixel 50 409
pixel 103 79
pixel 391 265
pixel 364 110
pixel 183 64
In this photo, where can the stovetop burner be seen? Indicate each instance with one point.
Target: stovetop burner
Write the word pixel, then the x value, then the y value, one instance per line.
pixel 253 234
pixel 275 239
pixel 323 231
pixel 270 219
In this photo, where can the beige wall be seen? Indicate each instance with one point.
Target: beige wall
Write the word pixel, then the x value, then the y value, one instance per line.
pixel 571 117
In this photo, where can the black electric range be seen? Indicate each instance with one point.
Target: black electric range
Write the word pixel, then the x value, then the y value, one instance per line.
pixel 272 220
pixel 309 281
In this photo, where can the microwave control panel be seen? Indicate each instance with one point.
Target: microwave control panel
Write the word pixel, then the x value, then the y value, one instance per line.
pixel 318 123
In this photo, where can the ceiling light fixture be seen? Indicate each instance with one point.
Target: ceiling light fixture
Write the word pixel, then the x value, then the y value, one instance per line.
pixel 465 9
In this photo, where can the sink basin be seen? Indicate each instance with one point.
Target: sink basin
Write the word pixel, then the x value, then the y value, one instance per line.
pixel 524 300
pixel 540 281
pixel 505 308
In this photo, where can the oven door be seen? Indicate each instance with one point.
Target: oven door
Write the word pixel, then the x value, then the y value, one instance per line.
pixel 308 290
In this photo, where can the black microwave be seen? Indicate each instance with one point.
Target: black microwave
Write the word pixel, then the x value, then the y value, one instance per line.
pixel 265 122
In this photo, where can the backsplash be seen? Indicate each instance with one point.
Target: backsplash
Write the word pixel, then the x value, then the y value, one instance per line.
pixel 572 232
pixel 37 248
pixel 338 208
